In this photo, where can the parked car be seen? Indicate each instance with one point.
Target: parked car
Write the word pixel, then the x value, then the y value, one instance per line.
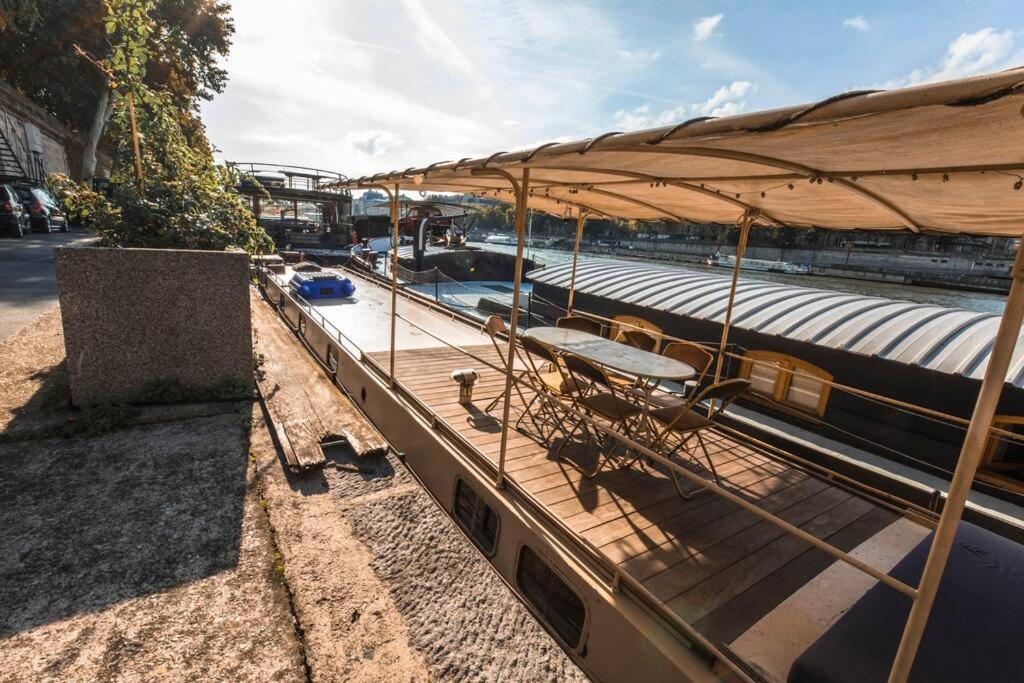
pixel 13 217
pixel 45 213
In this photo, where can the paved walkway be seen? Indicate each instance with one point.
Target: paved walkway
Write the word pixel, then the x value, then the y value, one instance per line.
pixel 28 285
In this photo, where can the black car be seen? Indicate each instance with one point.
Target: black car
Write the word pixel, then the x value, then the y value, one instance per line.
pixel 13 217
pixel 45 213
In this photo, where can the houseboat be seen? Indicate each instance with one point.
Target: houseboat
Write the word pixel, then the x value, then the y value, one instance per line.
pixel 764 265
pixel 728 553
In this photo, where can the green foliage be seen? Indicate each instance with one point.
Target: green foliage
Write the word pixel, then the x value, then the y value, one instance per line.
pixel 187 201
pixel 187 43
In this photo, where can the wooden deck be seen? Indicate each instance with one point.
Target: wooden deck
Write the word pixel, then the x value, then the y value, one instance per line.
pixel 716 565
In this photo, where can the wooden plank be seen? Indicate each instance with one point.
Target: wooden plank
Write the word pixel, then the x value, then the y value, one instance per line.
pixel 716 551
pixel 668 544
pixel 637 513
pixel 731 619
pixel 301 398
pixel 726 584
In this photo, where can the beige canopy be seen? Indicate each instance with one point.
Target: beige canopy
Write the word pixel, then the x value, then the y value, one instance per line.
pixel 945 157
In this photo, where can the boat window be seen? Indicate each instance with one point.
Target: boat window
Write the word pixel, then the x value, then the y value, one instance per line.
pixel 805 389
pixel 476 517
pixel 551 597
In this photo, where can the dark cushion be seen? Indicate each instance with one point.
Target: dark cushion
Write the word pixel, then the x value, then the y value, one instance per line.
pixel 972 634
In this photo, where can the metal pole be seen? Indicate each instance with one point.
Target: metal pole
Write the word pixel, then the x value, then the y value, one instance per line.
pixel 394 280
pixel 140 182
pixel 741 247
pixel 575 257
pixel 517 282
pixel 521 190
pixel 970 456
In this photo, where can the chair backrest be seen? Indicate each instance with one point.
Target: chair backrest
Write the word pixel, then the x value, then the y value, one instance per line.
pixel 639 340
pixel 696 357
pixel 576 322
pixel 724 392
pixel 578 365
pixel 621 323
pixel 495 326
pixel 536 348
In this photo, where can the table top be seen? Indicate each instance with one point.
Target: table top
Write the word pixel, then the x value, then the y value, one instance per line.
pixel 612 355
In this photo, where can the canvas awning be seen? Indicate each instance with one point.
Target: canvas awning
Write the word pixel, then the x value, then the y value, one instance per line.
pixel 945 157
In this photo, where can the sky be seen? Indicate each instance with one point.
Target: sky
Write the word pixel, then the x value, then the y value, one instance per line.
pixel 362 87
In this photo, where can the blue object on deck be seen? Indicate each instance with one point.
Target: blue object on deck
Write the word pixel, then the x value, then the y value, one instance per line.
pixel 322 285
pixel 972 632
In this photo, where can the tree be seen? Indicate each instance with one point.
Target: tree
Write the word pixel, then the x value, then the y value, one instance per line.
pixel 165 189
pixel 37 56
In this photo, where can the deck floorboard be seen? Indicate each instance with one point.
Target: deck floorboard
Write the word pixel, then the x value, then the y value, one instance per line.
pixel 713 563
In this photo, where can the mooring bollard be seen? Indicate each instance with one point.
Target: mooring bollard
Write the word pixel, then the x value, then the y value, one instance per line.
pixel 465 378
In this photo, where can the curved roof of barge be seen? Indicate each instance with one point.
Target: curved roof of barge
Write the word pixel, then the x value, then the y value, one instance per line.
pixel 949 340
pixel 942 157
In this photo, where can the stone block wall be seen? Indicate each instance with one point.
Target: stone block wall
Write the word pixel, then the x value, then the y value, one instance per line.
pixel 155 325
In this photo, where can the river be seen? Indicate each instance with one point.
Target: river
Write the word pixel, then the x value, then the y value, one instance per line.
pixel 948 298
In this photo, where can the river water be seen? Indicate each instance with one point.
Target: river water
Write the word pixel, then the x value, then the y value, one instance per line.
pixel 948 298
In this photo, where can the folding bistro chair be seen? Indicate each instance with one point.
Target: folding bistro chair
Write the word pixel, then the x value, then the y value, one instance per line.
pixel 576 322
pixel 696 357
pixel 597 395
pixel 624 323
pixel 495 326
pixel 689 420
pixel 555 383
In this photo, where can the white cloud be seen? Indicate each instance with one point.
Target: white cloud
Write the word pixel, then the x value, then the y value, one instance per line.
pixel 640 55
pixel 703 28
pixel 969 54
pixel 858 22
pixel 642 117
pixel 433 39
pixel 371 143
pixel 726 101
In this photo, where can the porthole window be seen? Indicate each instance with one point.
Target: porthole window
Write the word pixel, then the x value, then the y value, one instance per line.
pixel 551 597
pixel 476 517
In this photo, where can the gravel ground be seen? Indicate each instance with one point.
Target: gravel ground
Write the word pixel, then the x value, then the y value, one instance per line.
pixel 405 567
pixel 461 616
pixel 138 555
pixel 33 378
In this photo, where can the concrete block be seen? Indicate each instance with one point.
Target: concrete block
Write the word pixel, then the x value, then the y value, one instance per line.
pixel 155 324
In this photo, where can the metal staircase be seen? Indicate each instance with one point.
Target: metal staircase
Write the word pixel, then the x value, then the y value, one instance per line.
pixel 10 164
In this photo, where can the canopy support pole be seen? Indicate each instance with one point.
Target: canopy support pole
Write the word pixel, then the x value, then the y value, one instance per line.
pixel 741 247
pixel 521 190
pixel 575 256
pixel 967 465
pixel 394 280
pixel 393 201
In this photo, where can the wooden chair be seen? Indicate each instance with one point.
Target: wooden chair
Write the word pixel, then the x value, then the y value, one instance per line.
pixel 576 322
pixel 495 326
pixel 555 383
pixel 622 323
pixel 697 357
pixel 639 339
pixel 688 420
pixel 597 395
